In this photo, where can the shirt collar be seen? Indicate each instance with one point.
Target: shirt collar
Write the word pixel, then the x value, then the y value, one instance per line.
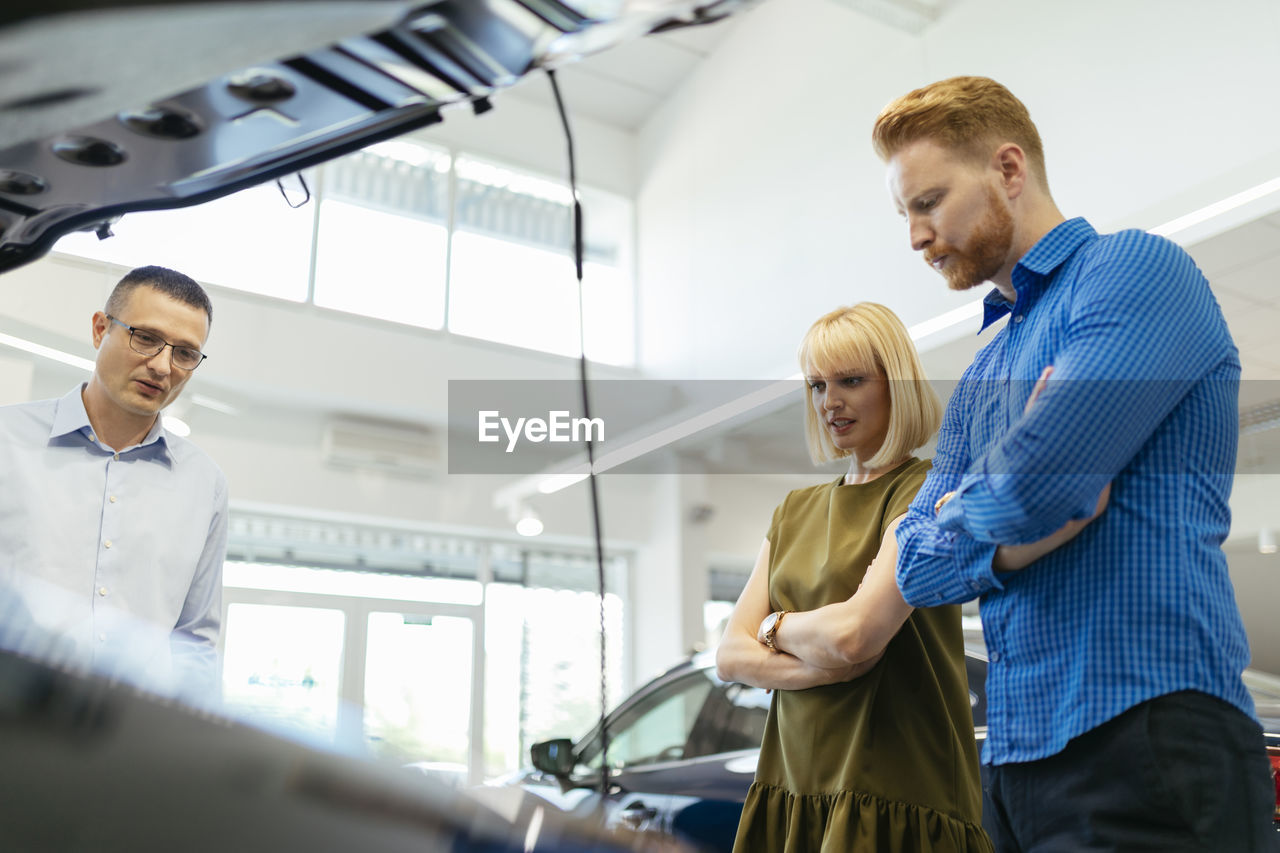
pixel 1052 250
pixel 1036 267
pixel 70 416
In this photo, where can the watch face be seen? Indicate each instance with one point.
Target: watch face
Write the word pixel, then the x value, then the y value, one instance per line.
pixel 770 621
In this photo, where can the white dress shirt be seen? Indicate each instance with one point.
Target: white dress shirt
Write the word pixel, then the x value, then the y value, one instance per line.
pixel 115 558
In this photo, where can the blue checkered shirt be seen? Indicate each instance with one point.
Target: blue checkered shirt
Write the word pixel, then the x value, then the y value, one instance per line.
pixel 1143 396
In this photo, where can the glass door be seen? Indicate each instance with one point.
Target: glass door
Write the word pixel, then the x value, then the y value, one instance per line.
pixel 417 691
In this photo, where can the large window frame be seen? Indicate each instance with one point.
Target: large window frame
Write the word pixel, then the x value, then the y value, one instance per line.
pixel 526 210
pixel 351 681
pixel 366 548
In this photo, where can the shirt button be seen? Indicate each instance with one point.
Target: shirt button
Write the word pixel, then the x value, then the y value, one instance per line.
pixel 995 656
pixel 112 498
pixel 1018 318
pixel 102 590
pixel 107 544
pixel 92 437
pixel 115 456
pixel 102 638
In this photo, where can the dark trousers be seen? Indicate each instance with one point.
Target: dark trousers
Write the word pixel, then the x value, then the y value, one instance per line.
pixel 1181 772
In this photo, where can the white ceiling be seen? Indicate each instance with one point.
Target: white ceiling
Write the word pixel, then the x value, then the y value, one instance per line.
pixel 623 85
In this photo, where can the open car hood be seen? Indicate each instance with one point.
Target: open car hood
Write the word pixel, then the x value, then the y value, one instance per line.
pixel 113 107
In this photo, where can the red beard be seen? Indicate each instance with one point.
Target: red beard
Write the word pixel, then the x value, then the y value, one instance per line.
pixel 986 253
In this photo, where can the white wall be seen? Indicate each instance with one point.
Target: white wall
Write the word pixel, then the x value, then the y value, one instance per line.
pixel 15 380
pixel 526 135
pixel 761 204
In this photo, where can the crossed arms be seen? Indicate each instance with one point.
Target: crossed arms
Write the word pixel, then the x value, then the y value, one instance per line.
pixel 843 640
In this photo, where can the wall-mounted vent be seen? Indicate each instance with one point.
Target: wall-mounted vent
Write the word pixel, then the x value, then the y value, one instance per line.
pixel 395 448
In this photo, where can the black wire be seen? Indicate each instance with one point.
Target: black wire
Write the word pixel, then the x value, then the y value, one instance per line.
pixel 586 411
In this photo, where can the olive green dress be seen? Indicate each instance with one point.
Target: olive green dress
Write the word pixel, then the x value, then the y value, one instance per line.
pixel 886 762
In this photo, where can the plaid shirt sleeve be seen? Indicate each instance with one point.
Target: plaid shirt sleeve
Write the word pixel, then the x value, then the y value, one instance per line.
pixel 934 566
pixel 1135 347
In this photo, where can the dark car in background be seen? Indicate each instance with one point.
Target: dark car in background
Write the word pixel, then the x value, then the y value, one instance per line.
pixel 683 751
pixel 1265 690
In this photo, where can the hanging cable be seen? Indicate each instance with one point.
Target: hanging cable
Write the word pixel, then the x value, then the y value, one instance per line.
pixel 586 412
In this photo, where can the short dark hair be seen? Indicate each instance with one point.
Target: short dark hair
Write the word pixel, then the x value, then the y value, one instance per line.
pixel 169 282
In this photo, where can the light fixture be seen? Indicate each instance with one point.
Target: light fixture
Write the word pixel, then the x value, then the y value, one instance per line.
pixel 1266 541
pixel 956 316
pixel 553 483
pixel 46 352
pixel 1177 228
pixel 88 364
pixel 528 524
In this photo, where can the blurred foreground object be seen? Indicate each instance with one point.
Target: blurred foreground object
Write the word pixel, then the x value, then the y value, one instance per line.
pixel 99 764
pixel 111 107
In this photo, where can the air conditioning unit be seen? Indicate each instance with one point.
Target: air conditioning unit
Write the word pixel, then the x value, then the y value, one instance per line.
pixel 405 449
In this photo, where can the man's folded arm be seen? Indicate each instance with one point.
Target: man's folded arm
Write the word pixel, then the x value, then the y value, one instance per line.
pixel 934 566
pixel 1134 350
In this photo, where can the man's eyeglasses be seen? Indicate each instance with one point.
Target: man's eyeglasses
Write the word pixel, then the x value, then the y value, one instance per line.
pixel 150 344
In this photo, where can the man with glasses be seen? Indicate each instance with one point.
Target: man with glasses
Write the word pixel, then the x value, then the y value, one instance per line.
pixel 113 530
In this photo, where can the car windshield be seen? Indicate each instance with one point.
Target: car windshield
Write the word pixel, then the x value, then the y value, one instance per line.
pixel 655 728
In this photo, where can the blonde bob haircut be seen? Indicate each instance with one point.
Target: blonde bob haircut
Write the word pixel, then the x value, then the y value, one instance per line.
pixel 972 116
pixel 857 338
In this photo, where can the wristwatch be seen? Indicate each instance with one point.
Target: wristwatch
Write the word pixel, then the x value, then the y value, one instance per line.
pixel 769 628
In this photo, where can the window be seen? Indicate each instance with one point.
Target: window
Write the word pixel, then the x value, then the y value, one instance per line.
pixel 411 233
pixel 417 688
pixel 655 729
pixel 384 232
pixel 251 240
pixel 734 720
pixel 512 277
pixel 282 666
pixel 388 660
pixel 542 650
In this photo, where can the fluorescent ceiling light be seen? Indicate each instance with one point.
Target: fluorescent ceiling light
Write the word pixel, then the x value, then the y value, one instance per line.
pixel 46 352
pixel 528 524
pixel 553 483
pixel 211 403
pixel 946 320
pixel 1218 208
pixel 695 424
pixel 87 364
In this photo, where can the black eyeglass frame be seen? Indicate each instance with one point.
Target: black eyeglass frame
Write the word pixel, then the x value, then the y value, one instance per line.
pixel 163 343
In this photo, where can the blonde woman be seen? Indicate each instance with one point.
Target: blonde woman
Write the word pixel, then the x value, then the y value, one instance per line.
pixel 869 743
